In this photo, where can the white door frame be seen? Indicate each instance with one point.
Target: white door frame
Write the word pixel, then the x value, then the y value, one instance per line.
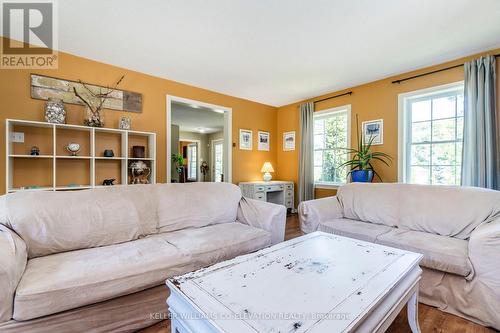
pixel 212 158
pixel 198 160
pixel 228 133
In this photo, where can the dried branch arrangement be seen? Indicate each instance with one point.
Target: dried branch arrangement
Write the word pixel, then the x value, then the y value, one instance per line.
pixel 94 102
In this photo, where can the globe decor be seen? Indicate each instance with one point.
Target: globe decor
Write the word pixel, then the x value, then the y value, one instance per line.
pixel 360 164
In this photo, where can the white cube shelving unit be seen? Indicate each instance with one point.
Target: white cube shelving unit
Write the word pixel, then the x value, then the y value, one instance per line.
pixel 54 168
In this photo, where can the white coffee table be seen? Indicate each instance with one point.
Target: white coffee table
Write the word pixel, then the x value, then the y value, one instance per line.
pixel 316 283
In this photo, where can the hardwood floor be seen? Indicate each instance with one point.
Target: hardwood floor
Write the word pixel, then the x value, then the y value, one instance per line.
pixel 430 319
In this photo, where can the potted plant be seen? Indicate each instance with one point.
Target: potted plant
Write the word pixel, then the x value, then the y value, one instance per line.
pixel 178 162
pixel 360 164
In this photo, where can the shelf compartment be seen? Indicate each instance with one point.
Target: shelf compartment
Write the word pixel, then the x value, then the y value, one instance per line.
pixel 114 140
pixel 41 137
pixel 74 173
pixel 65 135
pixel 30 172
pixel 140 140
pixel 109 169
pixel 149 163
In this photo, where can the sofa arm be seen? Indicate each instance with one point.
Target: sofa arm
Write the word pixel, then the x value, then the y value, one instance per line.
pixel 312 212
pixel 263 215
pixel 13 261
pixel 484 247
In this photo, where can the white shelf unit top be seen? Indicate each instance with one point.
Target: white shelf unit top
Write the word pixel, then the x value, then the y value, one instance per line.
pixel 91 158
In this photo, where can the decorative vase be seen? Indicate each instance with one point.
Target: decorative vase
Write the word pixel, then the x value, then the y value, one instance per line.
pixel 54 111
pixel 108 153
pixel 362 176
pixel 93 119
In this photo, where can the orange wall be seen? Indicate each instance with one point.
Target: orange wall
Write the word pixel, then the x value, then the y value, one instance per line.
pixel 370 101
pixel 15 102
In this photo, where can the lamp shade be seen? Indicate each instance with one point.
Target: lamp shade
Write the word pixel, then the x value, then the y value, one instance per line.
pixel 267 167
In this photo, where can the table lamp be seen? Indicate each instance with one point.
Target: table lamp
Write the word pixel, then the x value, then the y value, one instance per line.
pixel 267 168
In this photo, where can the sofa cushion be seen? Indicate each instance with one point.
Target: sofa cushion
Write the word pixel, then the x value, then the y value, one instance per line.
pixel 354 229
pixel 68 280
pixel 442 253
pixel 370 202
pixel 447 210
pixel 215 243
pixel 196 205
pixel 53 222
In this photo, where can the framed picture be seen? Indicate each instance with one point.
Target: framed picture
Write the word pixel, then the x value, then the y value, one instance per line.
pixel 125 123
pixel 245 139
pixel 373 129
pixel 289 141
pixel 263 143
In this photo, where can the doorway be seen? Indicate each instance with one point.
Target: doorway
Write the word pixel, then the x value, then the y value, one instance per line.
pixel 193 128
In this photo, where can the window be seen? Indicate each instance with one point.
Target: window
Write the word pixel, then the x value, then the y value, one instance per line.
pixel 331 137
pixel 218 148
pixel 432 134
pixel 192 161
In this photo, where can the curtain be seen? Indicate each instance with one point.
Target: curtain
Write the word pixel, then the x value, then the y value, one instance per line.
pixel 306 153
pixel 480 165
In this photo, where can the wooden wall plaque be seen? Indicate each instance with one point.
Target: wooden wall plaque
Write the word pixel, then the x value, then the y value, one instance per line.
pixel 45 87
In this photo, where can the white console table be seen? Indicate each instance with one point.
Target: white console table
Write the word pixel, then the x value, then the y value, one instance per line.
pixel 276 191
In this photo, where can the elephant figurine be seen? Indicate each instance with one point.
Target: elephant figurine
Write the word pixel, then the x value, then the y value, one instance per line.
pixel 108 182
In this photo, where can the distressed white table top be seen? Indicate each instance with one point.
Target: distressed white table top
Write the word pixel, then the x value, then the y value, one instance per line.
pixel 315 283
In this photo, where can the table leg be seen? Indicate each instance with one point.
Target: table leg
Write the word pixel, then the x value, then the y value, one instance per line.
pixel 412 306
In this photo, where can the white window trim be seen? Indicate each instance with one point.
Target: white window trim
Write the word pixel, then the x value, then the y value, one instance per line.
pixel 403 117
pixel 190 162
pixel 212 158
pixel 333 185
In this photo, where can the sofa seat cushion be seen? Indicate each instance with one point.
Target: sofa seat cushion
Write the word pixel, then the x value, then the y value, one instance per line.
pixel 212 244
pixel 354 229
pixel 442 253
pixel 69 280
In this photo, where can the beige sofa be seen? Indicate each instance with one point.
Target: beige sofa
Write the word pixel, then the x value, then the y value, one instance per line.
pixel 96 260
pixel 457 229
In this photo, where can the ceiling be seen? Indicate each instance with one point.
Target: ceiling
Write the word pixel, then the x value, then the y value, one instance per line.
pixel 277 51
pixel 193 118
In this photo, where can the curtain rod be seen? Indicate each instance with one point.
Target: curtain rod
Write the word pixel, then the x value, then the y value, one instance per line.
pixel 433 72
pixel 340 95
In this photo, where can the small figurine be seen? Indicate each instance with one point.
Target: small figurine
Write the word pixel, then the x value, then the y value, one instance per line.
pixel 35 151
pixel 108 182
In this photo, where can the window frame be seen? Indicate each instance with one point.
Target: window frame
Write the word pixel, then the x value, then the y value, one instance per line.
pixel 191 162
pixel 344 108
pixel 404 123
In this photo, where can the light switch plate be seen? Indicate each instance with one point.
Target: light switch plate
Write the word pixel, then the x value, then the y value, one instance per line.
pixel 17 137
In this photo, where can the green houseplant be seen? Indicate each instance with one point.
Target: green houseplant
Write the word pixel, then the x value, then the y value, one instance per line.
pixel 360 164
pixel 178 162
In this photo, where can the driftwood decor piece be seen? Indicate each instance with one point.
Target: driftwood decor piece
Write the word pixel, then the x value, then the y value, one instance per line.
pixel 94 102
pixel 45 87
